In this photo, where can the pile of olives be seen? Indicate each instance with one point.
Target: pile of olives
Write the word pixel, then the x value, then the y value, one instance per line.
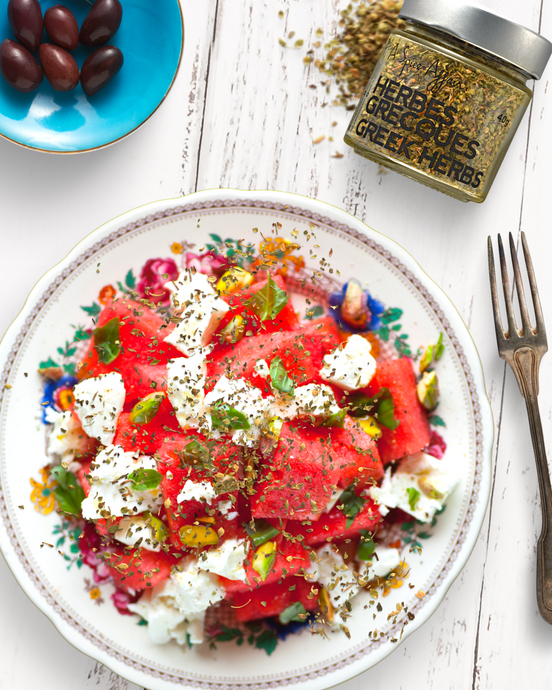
pixel 19 67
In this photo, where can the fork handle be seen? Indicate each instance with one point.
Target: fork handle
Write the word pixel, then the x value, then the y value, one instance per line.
pixel 544 545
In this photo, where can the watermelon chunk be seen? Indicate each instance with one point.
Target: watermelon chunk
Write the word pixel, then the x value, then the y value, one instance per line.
pixel 301 351
pixel 136 569
pixel 147 438
pixel 332 526
pixel 141 335
pixel 272 599
pixel 413 432
pixel 308 462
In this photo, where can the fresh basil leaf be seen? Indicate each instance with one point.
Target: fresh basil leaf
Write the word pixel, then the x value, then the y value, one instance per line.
pixel 384 413
pixel 226 417
pixel 144 480
pixel 269 301
pixel 194 453
pixel 294 612
pixel 279 377
pixel 262 532
pixel 106 341
pixel 68 492
pixel 145 410
pixel 351 505
pixel 366 546
pixel 413 496
pixel 337 419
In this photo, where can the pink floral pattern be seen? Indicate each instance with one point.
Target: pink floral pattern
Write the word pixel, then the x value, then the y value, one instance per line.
pixel 153 277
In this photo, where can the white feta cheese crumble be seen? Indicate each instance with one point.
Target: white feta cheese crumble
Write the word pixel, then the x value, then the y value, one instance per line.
pixel 137 531
pixel 66 438
pixel 98 404
pixel 110 490
pixel 189 287
pixel 185 388
pixel 197 491
pixel 262 368
pixel 311 400
pixel 225 508
pixel 199 322
pixel 350 366
pixel 331 571
pixel 420 473
pixel 387 560
pixel 336 493
pixel 239 395
pixel 227 560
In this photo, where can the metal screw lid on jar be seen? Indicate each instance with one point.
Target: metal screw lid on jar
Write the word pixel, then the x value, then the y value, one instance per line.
pixel 504 39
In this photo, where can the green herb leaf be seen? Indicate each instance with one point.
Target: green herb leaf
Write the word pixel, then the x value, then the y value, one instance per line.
pixel 69 492
pixel 351 505
pixel 144 480
pixel 384 413
pixel 226 417
pixel 293 613
pixel 130 280
pixel 337 419
pixel 366 546
pixel 94 310
pixel 314 312
pixel 195 453
pixel 413 496
pixel 434 420
pixel 279 377
pixel 390 315
pixel 48 364
pixel 269 301
pixel 106 341
pixel 261 533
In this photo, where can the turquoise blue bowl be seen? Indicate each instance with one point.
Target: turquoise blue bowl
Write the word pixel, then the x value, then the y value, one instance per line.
pixel 151 37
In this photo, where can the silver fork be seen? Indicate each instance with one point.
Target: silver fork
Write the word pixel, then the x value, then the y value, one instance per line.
pixel 523 349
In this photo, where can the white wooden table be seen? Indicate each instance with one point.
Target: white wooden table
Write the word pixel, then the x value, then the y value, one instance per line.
pixel 241 115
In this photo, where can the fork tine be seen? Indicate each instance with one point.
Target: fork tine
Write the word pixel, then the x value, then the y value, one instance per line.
pixel 520 291
pixel 494 293
pixel 533 285
pixel 512 328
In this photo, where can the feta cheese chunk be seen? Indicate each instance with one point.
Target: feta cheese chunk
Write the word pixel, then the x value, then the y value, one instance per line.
pixel 419 487
pixel 110 490
pixel 197 491
pixel 199 322
pixel 350 366
pixel 227 560
pixel 387 560
pixel 311 400
pixel 189 287
pixel 66 438
pixel 137 531
pixel 331 571
pixel 262 368
pixel 98 404
pixel 239 395
pixel 185 388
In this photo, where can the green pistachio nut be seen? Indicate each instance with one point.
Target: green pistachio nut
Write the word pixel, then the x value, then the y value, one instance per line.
pixel 264 558
pixel 429 490
pixel 428 390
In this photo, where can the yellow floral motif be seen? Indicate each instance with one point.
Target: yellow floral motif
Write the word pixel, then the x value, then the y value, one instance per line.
pixel 95 593
pixel 279 252
pixel 66 399
pixel 396 579
pixel 177 248
pixel 42 494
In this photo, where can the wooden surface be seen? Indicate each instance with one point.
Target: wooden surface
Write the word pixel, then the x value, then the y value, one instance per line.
pixel 241 114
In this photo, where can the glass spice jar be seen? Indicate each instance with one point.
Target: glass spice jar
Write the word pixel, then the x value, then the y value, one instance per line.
pixel 447 96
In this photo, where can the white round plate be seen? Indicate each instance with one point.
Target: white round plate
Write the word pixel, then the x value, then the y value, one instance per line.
pixel 58 587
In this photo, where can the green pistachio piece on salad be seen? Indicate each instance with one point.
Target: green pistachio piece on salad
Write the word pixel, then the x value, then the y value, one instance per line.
pixel 233 331
pixel 107 341
pixel 264 558
pixel 354 309
pixel 261 532
pixel 294 612
pixel 146 409
pixel 428 390
pixel 429 490
pixel 158 528
pixel 432 353
pixel 198 536
pixel 413 496
pixel 233 280
pixel 371 427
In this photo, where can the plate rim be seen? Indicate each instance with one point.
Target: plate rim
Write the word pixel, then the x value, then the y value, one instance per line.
pixel 74 152
pixel 352 666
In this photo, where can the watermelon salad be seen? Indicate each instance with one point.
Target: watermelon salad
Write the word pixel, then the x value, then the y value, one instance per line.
pixel 226 453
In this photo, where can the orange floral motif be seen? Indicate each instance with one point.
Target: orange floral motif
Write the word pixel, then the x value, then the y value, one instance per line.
pixel 106 293
pixel 177 248
pixel 95 593
pixel 66 399
pixel 278 253
pixel 396 579
pixel 42 494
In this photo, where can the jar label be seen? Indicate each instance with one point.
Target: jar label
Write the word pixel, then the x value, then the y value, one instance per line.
pixel 438 115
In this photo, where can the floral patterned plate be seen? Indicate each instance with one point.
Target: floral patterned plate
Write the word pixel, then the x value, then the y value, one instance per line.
pixel 141 250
